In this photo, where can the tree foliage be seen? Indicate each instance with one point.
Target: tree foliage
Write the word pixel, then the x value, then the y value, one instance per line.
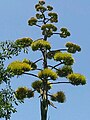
pixel 7 97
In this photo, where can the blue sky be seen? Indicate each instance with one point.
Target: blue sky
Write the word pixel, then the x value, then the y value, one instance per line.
pixel 73 14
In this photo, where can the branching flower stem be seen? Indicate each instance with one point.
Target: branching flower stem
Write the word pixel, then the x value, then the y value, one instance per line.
pixel 52 67
pixel 57 65
pixel 38 60
pixel 59 82
pixel 31 74
pixel 40 20
pixel 48 20
pixel 38 25
pixel 56 33
pixel 62 49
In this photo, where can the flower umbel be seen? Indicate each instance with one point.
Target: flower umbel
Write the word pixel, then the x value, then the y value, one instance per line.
pixel 23 92
pixel 72 48
pixel 39 44
pixel 77 79
pixel 47 73
pixel 64 71
pixel 59 97
pixel 65 57
pixel 23 42
pixel 18 67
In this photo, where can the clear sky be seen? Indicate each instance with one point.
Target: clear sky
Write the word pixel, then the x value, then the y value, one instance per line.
pixel 73 14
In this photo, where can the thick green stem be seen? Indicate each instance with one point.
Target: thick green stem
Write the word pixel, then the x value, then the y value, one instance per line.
pixel 44 99
pixel 44 109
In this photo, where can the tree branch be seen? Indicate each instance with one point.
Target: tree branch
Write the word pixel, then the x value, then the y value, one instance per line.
pixel 37 25
pixel 44 18
pixel 62 49
pixel 55 65
pixel 40 20
pixel 38 60
pixel 52 67
pixel 56 33
pixel 38 69
pixel 59 82
pixel 31 74
pixel 47 20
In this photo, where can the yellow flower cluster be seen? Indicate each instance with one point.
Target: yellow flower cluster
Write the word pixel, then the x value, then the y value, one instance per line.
pixel 49 26
pixel 23 42
pixel 77 79
pixel 39 44
pixel 39 16
pixel 38 84
pixel 32 21
pixel 64 33
pixel 41 8
pixel 47 29
pixel 65 57
pixel 64 71
pixel 53 17
pixel 23 92
pixel 50 8
pixel 72 48
pixel 59 97
pixel 33 65
pixel 47 73
pixel 18 67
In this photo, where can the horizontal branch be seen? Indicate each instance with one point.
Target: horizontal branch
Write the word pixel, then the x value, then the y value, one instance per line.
pixel 37 25
pixel 31 74
pixel 57 64
pixel 38 60
pixel 56 33
pixel 59 82
pixel 38 69
pixel 52 67
pixel 40 20
pixel 62 49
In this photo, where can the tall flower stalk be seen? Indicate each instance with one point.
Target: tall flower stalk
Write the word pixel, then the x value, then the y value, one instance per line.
pixel 47 75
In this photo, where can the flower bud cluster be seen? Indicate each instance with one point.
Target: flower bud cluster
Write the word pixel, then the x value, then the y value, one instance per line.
pixel 72 48
pixel 65 57
pixel 39 16
pixel 59 97
pixel 32 21
pixel 40 8
pixel 23 92
pixel 64 71
pixel 77 79
pixel 41 2
pixel 39 44
pixel 23 42
pixel 64 33
pixel 33 65
pixel 53 17
pixel 50 8
pixel 47 29
pixel 38 84
pixel 47 73
pixel 50 55
pixel 18 67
